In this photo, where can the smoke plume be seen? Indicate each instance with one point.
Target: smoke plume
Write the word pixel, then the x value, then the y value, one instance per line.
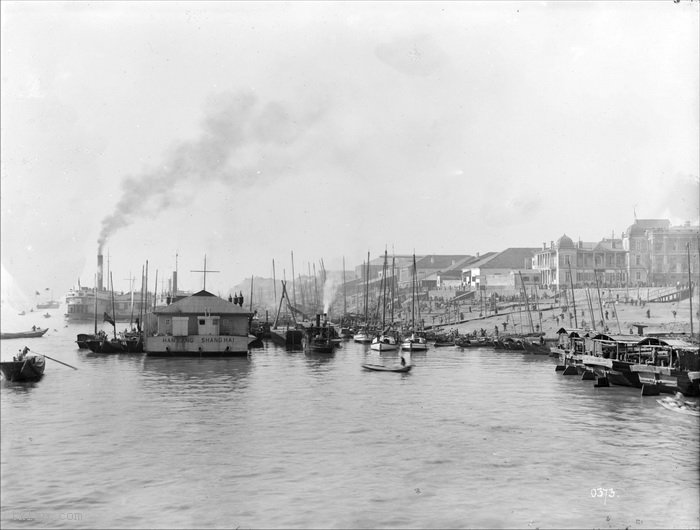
pixel 236 130
pixel 329 289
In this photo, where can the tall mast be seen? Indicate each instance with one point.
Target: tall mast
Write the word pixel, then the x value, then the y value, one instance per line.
pixel 367 289
pixel 589 300
pixel 537 305
pixel 274 281
pixel 527 302
pixel 393 259
pixel 131 291
pixel 205 271
pixel 345 300
pixel 141 300
pixel 155 291
pixel 573 298
pixel 600 302
pixel 251 292
pixel 95 304
pixel 294 292
pixel 315 292
pixel 384 271
pixel 114 314
pixel 146 314
pixel 413 295
pixel 690 291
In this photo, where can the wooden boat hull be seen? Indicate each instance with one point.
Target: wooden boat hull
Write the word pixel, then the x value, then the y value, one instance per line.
pixel 24 334
pixel 537 349
pixel 198 345
pixel 319 346
pixel 83 339
pixel 31 369
pixel 382 368
pixel 414 346
pixel 48 305
pixel 289 338
pixel 106 346
pixel 384 344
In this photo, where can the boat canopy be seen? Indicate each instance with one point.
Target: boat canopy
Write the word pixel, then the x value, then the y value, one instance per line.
pixel 628 339
pixel 574 332
pixel 676 344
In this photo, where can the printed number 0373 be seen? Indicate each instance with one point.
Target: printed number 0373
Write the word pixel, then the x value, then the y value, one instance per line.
pixel 602 492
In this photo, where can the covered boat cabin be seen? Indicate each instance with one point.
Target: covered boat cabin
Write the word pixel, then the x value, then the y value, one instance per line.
pixel 671 352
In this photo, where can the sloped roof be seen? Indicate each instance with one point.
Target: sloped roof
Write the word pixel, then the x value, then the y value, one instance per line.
pixel 202 302
pixel 441 262
pixel 476 262
pixel 510 258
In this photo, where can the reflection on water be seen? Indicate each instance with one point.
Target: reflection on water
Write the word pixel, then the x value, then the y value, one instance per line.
pixel 472 438
pixel 319 362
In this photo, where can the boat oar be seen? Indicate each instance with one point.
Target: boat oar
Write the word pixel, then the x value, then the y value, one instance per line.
pixel 56 360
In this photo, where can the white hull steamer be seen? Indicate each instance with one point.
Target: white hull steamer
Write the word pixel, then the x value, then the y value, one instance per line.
pixel 200 325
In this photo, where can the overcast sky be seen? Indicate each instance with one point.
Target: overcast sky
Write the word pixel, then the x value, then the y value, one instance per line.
pixel 245 131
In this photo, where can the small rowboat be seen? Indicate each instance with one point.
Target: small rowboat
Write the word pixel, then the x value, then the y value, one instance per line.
pixel 684 407
pixel 29 369
pixel 24 334
pixel 382 368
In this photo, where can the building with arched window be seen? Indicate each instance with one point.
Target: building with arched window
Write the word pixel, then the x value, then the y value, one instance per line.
pixel 564 262
pixel 650 252
pixel 657 253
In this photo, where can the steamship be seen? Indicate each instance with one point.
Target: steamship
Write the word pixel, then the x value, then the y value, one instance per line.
pixel 80 302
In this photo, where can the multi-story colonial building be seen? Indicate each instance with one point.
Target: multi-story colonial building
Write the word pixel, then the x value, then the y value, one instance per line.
pixel 658 253
pixel 584 262
pixel 650 252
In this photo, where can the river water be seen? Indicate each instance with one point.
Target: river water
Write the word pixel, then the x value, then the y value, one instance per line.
pixel 471 438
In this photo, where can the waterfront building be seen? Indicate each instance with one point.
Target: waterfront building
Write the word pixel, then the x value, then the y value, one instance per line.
pixel 657 253
pixel 201 324
pixel 564 262
pixel 501 271
pixel 650 252
pixel 427 266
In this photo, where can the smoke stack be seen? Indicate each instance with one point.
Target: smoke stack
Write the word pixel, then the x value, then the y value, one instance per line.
pixel 99 272
pixel 174 283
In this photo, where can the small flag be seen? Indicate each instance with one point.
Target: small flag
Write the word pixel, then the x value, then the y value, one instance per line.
pixel 107 318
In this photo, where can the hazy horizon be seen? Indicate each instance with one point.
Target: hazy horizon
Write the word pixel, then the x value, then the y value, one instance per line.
pixel 245 131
